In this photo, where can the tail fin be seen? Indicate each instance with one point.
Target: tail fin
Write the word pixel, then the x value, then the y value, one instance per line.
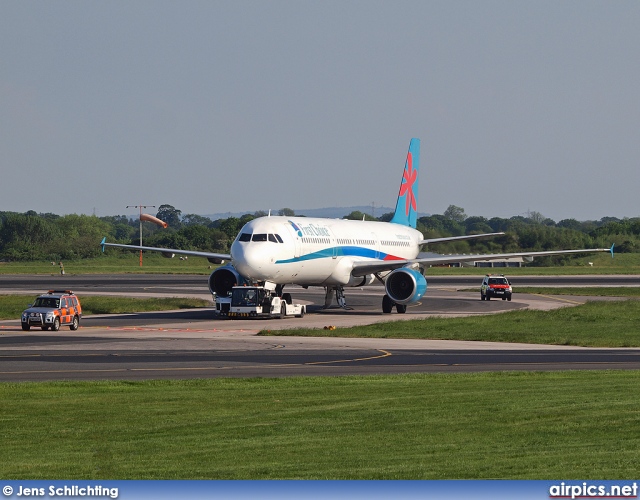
pixel 407 206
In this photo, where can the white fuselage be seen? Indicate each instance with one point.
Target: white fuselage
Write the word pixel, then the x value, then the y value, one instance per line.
pixel 313 251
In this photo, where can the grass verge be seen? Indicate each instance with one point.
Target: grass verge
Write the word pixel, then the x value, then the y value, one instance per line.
pixel 11 306
pixel 153 263
pixel 594 324
pixel 574 425
pixel 584 291
pixel 128 263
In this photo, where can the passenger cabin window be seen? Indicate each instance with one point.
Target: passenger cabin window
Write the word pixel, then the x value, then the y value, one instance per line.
pixel 245 237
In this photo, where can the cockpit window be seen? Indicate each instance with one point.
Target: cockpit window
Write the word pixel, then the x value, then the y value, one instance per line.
pixel 272 237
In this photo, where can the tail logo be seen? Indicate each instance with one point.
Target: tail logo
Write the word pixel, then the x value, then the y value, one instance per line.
pixel 409 177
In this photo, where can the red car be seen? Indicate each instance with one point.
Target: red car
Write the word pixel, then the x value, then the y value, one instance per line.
pixel 495 285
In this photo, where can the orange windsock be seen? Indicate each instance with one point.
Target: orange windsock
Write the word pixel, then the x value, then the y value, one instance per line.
pixel 155 220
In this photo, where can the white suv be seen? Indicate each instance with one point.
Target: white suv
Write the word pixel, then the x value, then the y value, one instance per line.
pixel 53 309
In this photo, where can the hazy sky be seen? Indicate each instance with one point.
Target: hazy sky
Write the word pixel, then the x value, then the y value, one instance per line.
pixel 256 105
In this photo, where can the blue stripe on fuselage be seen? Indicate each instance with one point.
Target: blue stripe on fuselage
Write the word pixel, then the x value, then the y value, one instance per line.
pixel 340 251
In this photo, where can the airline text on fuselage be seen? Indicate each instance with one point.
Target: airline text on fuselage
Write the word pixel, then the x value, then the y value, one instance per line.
pixel 313 230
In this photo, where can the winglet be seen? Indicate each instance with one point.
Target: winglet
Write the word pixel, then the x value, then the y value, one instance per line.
pixel 406 207
pixel 611 250
pixel 104 240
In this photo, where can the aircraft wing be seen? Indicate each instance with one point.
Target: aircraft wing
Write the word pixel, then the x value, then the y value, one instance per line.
pixel 369 267
pixel 454 238
pixel 217 258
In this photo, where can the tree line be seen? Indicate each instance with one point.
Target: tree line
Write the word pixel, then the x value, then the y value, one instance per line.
pixel 46 236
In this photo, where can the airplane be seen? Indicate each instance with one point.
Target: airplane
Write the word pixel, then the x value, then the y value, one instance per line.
pixel 339 253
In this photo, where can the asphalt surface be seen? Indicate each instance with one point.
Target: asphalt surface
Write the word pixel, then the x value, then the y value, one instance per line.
pixel 142 284
pixel 194 344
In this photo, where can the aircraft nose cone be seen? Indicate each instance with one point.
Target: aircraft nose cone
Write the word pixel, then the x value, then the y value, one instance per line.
pixel 248 259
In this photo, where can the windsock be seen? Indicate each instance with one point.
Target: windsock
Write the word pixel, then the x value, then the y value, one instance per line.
pixel 155 220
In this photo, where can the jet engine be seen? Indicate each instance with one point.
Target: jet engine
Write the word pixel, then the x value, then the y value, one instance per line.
pixel 223 279
pixel 405 285
pixel 367 279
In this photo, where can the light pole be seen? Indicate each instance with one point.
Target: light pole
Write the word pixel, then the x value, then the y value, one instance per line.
pixel 141 207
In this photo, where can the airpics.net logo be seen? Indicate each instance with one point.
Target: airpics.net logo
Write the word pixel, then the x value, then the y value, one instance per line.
pixel 586 490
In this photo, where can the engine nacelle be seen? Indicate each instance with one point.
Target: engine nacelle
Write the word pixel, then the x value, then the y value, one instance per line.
pixel 365 280
pixel 405 285
pixel 223 279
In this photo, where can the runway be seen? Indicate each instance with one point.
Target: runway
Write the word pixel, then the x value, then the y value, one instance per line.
pixel 192 344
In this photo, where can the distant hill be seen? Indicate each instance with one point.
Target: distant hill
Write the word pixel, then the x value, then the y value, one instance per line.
pixel 340 212
pixel 329 212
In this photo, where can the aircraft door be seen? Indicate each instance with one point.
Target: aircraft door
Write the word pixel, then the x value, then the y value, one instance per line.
pixel 297 240
pixel 334 245
pixel 376 245
pixel 298 250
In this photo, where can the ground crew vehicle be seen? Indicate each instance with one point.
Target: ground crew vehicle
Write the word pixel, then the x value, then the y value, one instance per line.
pixel 257 302
pixel 52 310
pixel 495 285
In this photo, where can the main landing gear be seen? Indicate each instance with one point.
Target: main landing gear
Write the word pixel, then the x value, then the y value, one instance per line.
pixel 338 291
pixel 387 305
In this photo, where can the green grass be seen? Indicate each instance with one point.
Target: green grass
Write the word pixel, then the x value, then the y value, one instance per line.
pixel 594 324
pixel 626 263
pixel 585 291
pixel 154 263
pixel 574 425
pixel 11 306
